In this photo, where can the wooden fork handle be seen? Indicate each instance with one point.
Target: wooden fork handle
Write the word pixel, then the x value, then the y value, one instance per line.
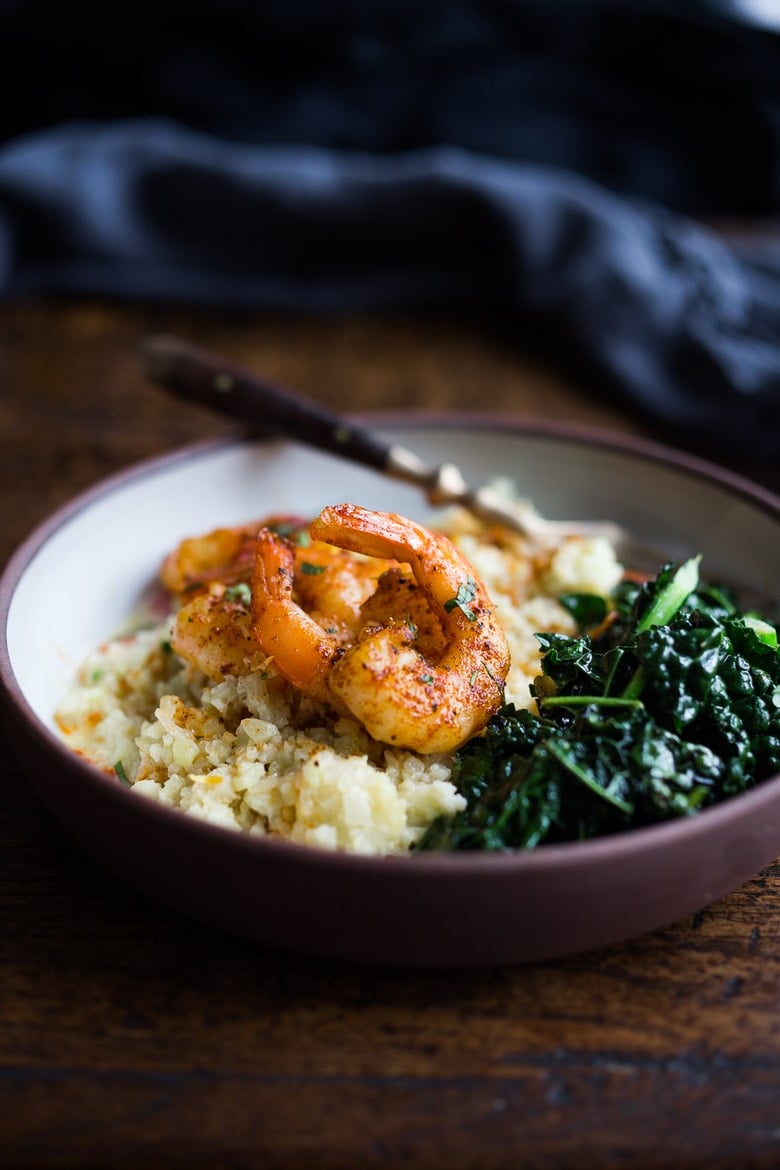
pixel 199 376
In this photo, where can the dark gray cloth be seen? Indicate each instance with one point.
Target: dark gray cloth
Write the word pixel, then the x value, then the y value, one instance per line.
pixel 638 300
pixel 537 162
pixel 675 101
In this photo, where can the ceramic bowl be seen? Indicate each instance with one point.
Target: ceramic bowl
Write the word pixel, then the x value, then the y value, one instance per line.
pixel 77 576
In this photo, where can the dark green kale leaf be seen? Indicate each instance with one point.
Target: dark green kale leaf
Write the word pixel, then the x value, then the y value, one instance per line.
pixel 509 799
pixel 587 609
pixel 674 705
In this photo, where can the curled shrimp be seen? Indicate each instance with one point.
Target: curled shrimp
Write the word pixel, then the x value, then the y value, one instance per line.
pixel 430 673
pixel 307 605
pixel 213 628
pixel 209 575
pixel 302 650
pixel 224 555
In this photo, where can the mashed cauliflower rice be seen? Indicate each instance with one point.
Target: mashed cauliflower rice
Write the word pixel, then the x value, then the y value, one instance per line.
pixel 251 753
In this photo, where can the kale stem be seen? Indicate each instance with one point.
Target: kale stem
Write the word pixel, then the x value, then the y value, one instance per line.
pixel 635 685
pixel 674 594
pixel 556 750
pixel 591 701
pixel 763 631
pixel 612 672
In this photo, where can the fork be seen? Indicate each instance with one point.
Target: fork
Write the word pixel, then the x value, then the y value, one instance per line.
pixel 200 376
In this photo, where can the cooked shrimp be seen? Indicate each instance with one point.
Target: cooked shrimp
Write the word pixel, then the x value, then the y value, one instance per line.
pixel 214 631
pixel 398 598
pixel 332 586
pixel 301 649
pixel 209 574
pixel 428 695
pixel 225 555
pixel 307 602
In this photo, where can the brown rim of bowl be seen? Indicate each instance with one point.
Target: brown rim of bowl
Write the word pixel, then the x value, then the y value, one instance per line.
pixel 438 864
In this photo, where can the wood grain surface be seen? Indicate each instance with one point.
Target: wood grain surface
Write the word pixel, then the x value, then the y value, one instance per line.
pixel 130 1037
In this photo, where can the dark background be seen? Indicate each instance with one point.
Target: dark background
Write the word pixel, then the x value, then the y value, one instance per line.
pixel 600 178
pixel 676 101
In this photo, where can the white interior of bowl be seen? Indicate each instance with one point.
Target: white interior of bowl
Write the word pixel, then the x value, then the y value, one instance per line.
pixel 97 564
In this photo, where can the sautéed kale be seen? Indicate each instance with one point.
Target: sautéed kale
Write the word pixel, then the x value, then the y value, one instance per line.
pixel 669 703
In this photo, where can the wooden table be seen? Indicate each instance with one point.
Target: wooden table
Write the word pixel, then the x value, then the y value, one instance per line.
pixel 130 1037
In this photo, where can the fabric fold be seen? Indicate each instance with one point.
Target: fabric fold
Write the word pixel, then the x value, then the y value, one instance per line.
pixel 655 308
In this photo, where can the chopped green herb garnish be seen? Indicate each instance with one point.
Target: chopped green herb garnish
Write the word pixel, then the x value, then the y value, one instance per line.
pixel 240 592
pixel 310 569
pixel 467 593
pixel 119 768
pixel 285 528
